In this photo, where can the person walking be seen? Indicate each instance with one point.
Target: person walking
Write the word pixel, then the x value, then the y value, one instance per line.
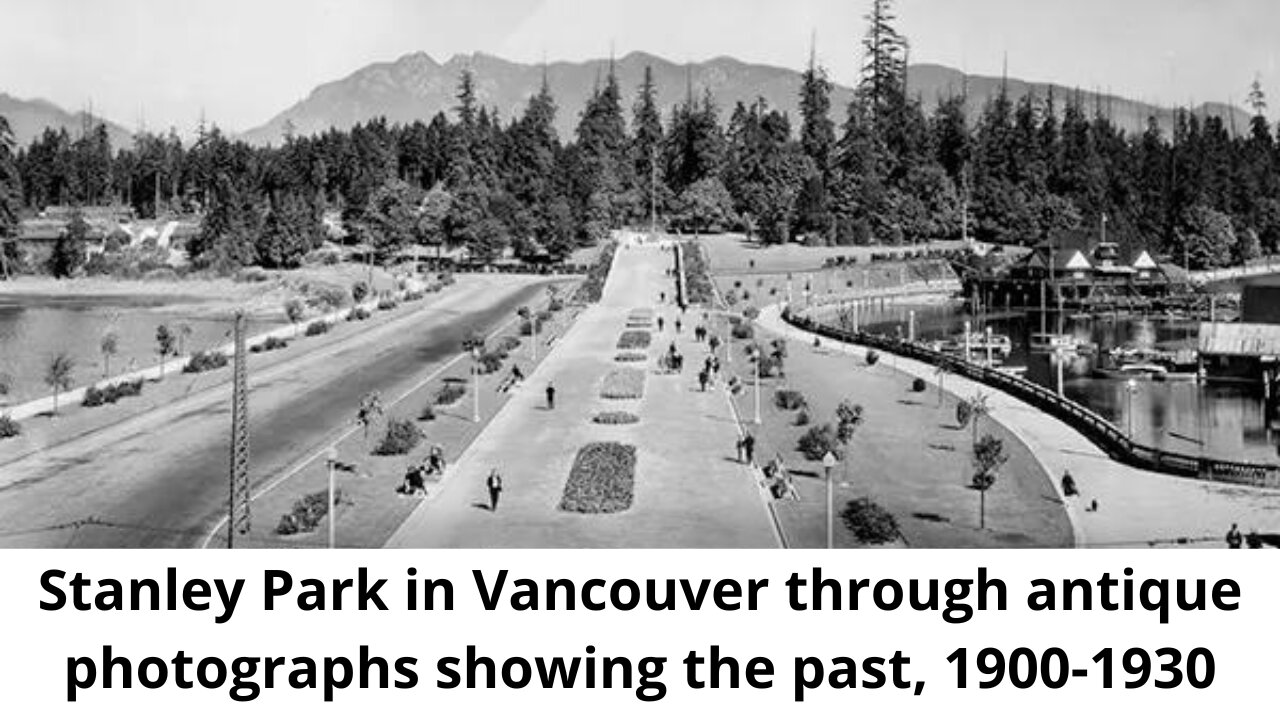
pixel 749 448
pixel 494 484
pixel 661 322
pixel 1235 539
pixel 702 379
pixel 678 323
pixel 551 396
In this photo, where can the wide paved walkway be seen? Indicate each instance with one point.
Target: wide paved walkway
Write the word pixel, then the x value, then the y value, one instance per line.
pixel 689 490
pixel 1135 507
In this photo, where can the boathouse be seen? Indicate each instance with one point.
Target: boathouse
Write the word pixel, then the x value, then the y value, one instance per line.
pixel 1240 351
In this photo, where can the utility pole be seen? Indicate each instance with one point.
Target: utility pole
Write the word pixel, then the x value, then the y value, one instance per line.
pixel 238 497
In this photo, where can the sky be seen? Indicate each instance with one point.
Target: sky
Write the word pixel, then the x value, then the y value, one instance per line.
pixel 162 63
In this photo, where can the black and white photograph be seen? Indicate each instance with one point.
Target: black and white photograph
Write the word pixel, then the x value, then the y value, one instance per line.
pixel 548 274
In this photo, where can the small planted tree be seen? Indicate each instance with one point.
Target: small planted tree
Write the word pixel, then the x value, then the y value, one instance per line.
pixel 359 291
pixel 59 375
pixel 166 344
pixel 294 311
pixel 970 411
pixel 184 335
pixel 988 458
pixel 109 345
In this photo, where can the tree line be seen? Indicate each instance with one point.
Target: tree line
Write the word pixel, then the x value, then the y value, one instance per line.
pixel 892 170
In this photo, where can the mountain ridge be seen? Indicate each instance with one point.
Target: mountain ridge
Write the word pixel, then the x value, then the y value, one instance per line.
pixel 29 117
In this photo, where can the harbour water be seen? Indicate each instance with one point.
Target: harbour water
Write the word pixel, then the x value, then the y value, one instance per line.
pixel 35 329
pixel 1221 420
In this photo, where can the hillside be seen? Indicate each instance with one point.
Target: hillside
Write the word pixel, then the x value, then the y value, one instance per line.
pixel 29 118
pixel 417 87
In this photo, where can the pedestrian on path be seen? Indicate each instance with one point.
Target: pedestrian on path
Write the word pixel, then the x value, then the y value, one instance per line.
pixel 660 323
pixel 678 326
pixel 703 377
pixel 551 396
pixel 494 483
pixel 1235 539
pixel 749 448
pixel 1069 488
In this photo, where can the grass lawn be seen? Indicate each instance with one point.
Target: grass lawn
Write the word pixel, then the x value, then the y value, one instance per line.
pixel 734 254
pixel 908 457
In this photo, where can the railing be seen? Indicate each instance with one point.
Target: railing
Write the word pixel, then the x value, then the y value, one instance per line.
pixel 1093 426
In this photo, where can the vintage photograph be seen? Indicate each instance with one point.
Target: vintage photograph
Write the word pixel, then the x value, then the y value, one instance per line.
pixel 554 274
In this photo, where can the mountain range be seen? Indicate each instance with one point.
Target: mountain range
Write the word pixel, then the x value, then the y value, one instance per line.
pixel 29 118
pixel 417 87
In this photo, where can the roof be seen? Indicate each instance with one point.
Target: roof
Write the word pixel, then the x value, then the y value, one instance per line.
pixel 1253 340
pixel 1063 259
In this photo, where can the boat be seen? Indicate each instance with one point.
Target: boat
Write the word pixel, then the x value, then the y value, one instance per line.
pixel 1000 345
pixel 1053 343
pixel 1133 371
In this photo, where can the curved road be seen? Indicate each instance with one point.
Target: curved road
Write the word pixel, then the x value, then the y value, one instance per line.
pixel 160 480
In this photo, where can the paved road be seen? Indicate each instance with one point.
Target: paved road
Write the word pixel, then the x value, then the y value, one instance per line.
pixel 689 490
pixel 161 480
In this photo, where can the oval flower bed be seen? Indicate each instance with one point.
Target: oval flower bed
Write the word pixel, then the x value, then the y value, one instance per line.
pixel 630 357
pixel 615 417
pixel 602 479
pixel 623 384
pixel 634 340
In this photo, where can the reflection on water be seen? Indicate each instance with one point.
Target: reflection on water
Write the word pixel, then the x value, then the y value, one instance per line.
pixel 1177 415
pixel 34 330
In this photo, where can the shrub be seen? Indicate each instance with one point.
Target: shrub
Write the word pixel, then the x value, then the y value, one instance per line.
pixel 817 442
pixel 615 417
pixel 634 340
pixel 449 393
pixel 508 344
pixel 401 437
pixel 602 479
pixel 319 327
pixel 873 357
pixel 9 427
pixel 527 326
pixel 623 384
pixel 414 296
pixel 307 513
pixel 490 362
pixel 359 291
pixel 204 361
pixel 428 414
pixel 271 343
pixel 388 303
pixel 789 399
pixel 629 357
pixel 964 413
pixel 751 313
pixel 802 418
pixel 869 523
pixel 918 385
pixel 556 305
pixel 358 314
pixel 96 396
pixel 743 331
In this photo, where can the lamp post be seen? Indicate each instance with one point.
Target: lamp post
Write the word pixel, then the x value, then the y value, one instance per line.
pixel 755 356
pixel 333 522
pixel 968 330
pixel 475 384
pixel 1131 389
pixel 829 462
pixel 1060 359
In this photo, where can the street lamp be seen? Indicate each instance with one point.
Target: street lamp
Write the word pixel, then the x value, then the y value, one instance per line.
pixel 333 522
pixel 754 354
pixel 475 384
pixel 829 462
pixel 1131 388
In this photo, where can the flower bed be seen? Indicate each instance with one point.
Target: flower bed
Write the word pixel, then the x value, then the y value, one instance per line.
pixel 602 479
pixel 635 340
pixel 307 513
pixel 615 417
pixel 630 357
pixel 623 384
pixel 357 315
pixel 593 286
